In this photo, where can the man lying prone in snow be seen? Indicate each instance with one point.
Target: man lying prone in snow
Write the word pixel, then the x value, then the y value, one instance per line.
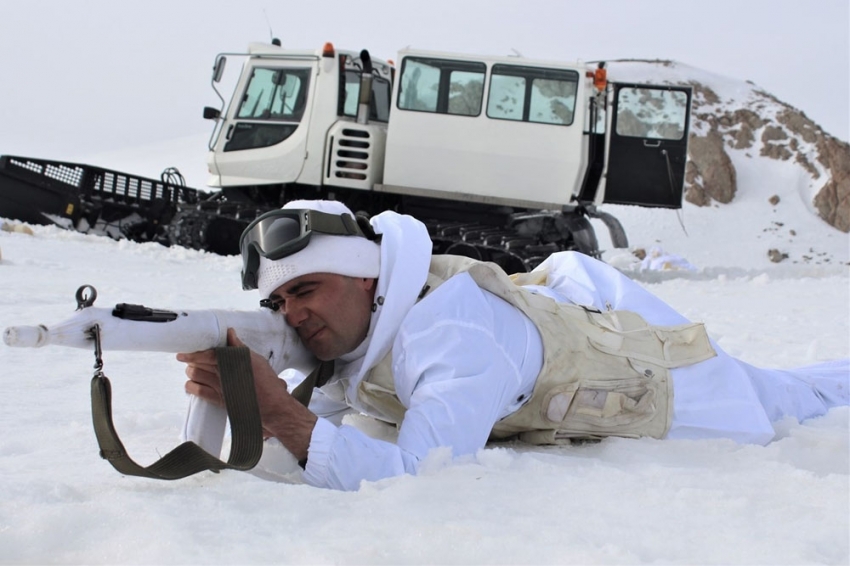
pixel 454 352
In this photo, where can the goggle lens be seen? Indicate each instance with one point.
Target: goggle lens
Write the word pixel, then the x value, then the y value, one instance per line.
pixel 273 236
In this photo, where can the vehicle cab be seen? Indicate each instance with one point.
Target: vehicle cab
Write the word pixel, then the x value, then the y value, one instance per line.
pixel 285 105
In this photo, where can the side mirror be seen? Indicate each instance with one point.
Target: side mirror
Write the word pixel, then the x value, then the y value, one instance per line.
pixel 218 70
pixel 211 113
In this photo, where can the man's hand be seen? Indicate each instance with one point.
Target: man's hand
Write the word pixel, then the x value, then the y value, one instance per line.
pixel 283 417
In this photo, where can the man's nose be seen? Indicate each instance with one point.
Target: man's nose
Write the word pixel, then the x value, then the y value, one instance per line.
pixel 295 314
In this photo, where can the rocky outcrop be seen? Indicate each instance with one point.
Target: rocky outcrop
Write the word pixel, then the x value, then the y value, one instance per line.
pixel 787 135
pixel 710 174
pixel 833 200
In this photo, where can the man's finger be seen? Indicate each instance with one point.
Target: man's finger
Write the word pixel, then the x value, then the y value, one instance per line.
pixel 203 376
pixel 202 357
pixel 204 392
pixel 233 339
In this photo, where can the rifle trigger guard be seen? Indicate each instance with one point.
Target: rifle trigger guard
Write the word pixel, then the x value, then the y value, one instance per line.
pixel 84 300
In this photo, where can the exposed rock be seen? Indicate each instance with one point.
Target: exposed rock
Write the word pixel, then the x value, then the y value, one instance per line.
pixel 833 200
pixel 744 138
pixel 776 256
pixel 774 200
pixel 703 94
pixel 694 193
pixel 712 174
pixel 805 163
pixel 776 151
pixel 799 124
pixel 747 123
pixel 772 133
pixel 748 117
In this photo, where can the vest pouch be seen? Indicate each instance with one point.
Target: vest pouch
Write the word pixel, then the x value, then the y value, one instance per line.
pixel 600 405
pixel 619 332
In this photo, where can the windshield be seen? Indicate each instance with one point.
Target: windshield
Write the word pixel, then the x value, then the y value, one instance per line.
pixel 275 94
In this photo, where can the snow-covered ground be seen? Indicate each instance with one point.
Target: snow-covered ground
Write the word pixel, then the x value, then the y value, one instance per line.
pixel 618 501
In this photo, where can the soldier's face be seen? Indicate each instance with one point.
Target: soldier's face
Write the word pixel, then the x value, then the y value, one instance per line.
pixel 330 312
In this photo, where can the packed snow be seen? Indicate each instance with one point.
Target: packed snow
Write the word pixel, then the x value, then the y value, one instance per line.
pixel 619 501
pixel 614 502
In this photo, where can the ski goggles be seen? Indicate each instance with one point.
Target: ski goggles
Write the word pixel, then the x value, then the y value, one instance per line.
pixel 280 233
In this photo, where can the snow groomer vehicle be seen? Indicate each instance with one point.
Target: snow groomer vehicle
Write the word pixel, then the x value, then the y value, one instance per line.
pixel 505 159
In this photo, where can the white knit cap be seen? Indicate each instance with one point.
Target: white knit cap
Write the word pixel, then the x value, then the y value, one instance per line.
pixel 343 255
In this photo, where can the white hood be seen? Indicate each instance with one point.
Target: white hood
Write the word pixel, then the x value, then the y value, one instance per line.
pixel 405 259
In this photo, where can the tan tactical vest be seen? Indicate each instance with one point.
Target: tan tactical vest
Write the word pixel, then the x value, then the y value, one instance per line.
pixel 603 374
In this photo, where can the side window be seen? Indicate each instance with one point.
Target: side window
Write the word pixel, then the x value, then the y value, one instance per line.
pixel 420 83
pixel 507 97
pixel 552 101
pixel 380 103
pixel 442 86
pixel 465 93
pixel 532 94
pixel 275 94
pixel 651 113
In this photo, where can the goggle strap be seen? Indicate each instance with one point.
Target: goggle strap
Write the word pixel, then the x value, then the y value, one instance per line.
pixel 339 225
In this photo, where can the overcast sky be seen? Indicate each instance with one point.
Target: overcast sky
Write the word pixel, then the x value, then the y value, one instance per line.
pixel 79 77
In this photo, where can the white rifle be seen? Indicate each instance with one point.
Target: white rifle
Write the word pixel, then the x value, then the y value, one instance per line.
pixel 138 328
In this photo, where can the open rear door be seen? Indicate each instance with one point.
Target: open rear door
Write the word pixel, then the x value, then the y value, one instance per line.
pixel 648 145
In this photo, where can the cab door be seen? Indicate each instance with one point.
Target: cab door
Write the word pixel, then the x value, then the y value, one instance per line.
pixel 648 145
pixel 264 137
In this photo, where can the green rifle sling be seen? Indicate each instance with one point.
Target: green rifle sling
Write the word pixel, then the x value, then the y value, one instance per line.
pixel 240 401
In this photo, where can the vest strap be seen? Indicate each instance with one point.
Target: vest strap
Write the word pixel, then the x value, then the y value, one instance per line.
pixel 318 377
